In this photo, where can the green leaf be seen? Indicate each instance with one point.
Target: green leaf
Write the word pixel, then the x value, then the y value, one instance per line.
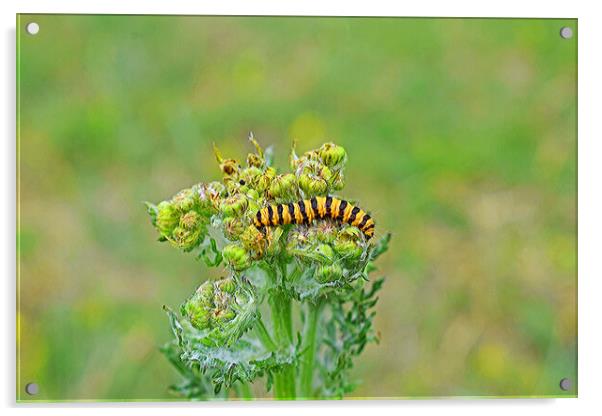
pixel 226 363
pixel 380 247
pixel 212 249
pixel 153 211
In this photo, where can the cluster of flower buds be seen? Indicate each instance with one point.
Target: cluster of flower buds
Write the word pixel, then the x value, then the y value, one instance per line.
pixel 247 190
pixel 233 203
pixel 212 305
pixel 332 249
pixel 183 219
pixel 320 171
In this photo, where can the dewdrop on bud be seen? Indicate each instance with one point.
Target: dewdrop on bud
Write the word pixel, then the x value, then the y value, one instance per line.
pixel 234 205
pixel 284 187
pixel 329 273
pixel 332 155
pixel 236 256
pixel 167 218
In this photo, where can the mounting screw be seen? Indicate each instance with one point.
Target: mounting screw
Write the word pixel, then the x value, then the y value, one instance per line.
pixel 566 32
pixel 565 384
pixel 32 389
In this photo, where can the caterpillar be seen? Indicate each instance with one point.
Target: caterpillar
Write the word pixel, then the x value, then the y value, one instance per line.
pixel 305 211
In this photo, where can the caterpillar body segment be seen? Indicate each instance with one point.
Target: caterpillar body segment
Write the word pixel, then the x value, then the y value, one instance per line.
pixel 308 210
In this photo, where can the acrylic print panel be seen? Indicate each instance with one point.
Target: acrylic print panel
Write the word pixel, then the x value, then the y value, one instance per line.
pixel 439 154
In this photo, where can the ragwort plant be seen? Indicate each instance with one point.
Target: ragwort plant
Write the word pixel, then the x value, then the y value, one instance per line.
pixel 295 305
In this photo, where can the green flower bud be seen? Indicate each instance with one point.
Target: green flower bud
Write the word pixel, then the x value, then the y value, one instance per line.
pixel 324 232
pixel 249 176
pixel 325 173
pixel 297 240
pixel 199 318
pixel 209 196
pixel 252 194
pixel 338 182
pixel 265 180
pixel 252 209
pixel 349 250
pixel 332 155
pixel 233 187
pixel 227 285
pixel 229 167
pixel 254 160
pixel 216 189
pixel 233 227
pixel 350 232
pixel 253 240
pixel 236 256
pixel 348 243
pixel 311 156
pixel 212 304
pixel 273 240
pixel 284 187
pixel 167 218
pixel 190 220
pixel 206 292
pixel 197 311
pixel 325 253
pixel 223 316
pixel 187 239
pixel 185 200
pixel 312 185
pixel 329 273
pixel 234 205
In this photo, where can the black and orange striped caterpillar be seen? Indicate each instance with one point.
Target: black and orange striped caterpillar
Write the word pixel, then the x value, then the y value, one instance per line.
pixel 305 211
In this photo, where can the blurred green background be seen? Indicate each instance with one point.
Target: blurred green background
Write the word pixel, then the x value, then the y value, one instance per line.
pixel 462 142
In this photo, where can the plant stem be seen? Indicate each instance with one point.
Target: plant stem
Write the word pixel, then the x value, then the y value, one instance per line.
pixel 280 306
pixel 245 391
pixel 264 335
pixel 310 336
